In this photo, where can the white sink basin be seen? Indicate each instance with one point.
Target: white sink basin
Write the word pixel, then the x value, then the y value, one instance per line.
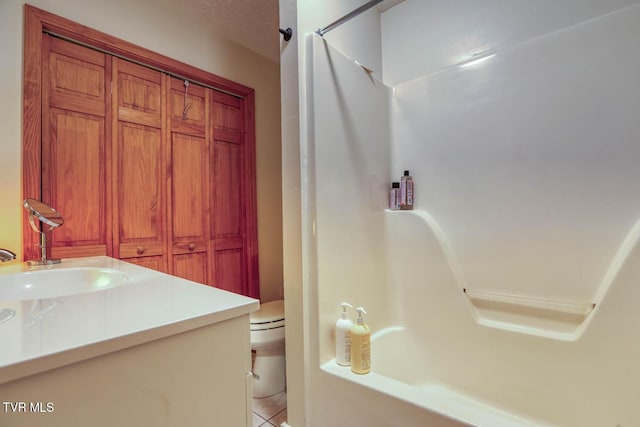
pixel 60 282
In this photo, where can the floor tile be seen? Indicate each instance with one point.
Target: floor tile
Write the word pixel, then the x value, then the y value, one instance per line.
pixel 279 418
pixel 258 420
pixel 267 407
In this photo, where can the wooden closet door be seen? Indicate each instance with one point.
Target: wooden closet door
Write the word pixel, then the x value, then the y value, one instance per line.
pixel 135 174
pixel 188 183
pixel 229 176
pixel 75 159
pixel 139 166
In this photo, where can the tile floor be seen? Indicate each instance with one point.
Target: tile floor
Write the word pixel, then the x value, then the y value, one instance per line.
pixel 270 411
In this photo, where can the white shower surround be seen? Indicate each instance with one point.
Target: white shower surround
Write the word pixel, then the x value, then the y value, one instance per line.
pixel 547 96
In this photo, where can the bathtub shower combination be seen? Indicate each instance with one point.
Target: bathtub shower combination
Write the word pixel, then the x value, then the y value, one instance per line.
pixel 509 296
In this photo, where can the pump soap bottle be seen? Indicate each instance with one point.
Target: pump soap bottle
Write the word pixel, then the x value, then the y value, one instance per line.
pixel 343 337
pixel 360 345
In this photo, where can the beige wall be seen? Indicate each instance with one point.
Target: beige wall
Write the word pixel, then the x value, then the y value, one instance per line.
pixel 164 28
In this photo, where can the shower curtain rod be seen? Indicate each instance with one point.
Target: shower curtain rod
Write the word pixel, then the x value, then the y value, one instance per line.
pixel 355 12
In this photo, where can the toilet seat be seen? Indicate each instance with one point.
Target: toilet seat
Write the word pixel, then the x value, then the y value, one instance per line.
pixel 267 325
pixel 269 316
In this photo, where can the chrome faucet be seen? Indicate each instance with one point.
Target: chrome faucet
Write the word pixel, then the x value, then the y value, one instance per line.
pixel 6 255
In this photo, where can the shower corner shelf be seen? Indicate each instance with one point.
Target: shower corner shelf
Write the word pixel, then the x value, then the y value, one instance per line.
pixel 532 302
pixel 544 317
pixel 551 318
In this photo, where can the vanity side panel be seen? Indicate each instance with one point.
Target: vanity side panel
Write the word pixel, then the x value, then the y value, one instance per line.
pixel 196 378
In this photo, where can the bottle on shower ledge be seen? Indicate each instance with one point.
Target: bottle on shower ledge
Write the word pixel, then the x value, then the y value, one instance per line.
pixel 360 345
pixel 406 192
pixel 343 337
pixel 394 196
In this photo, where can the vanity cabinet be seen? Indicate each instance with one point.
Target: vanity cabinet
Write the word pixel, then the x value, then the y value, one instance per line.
pixel 143 166
pixel 157 383
pixel 153 350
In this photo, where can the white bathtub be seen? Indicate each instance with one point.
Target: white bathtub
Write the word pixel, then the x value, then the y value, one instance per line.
pixel 399 371
pixel 437 354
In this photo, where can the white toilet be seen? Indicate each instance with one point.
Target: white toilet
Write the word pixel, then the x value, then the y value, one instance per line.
pixel 267 346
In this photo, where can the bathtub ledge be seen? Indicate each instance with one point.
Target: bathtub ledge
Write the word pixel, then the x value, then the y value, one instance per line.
pixel 432 397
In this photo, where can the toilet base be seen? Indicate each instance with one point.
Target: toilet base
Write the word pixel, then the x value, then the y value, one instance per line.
pixel 268 372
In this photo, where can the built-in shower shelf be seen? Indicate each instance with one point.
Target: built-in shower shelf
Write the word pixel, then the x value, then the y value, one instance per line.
pixel 551 318
pixel 533 315
pixel 532 302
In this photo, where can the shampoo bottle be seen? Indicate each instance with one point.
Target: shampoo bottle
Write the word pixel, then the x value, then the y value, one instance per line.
pixel 343 337
pixel 406 186
pixel 360 345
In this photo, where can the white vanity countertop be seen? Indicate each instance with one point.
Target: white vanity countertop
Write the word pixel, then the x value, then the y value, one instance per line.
pixel 53 332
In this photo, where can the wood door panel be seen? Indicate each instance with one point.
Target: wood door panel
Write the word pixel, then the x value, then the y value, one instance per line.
pixel 229 243
pixel 227 113
pixel 191 266
pixel 139 88
pixel 73 103
pixel 188 129
pixel 77 251
pixel 140 189
pixel 139 166
pixel 189 247
pixel 195 120
pixel 76 71
pixel 230 270
pixel 139 117
pixel 189 187
pixel 228 136
pixel 152 262
pixel 227 167
pixel 74 177
pixel 76 51
pixel 134 250
pixel 195 104
pixel 139 94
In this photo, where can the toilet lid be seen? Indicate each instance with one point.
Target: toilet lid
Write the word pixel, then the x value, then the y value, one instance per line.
pixel 270 315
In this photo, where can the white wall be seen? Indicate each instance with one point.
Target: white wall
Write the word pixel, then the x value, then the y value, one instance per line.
pixel 166 29
pixel 528 161
pixel 421 37
pixel 508 156
pixel 307 389
pixel 348 170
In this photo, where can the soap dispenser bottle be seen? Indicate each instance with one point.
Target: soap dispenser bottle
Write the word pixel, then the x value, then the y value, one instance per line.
pixel 343 337
pixel 360 345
